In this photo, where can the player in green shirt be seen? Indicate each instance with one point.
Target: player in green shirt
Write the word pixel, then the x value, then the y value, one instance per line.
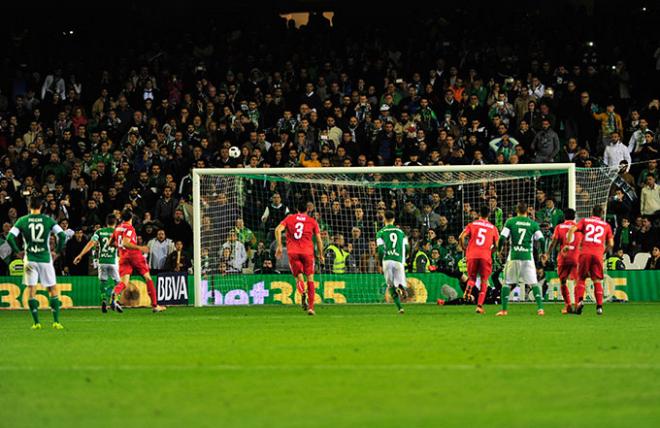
pixel 36 229
pixel 392 246
pixel 107 259
pixel 520 269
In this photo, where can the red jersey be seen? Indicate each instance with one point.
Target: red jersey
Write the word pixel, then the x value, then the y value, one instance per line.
pixel 125 230
pixel 300 228
pixel 561 230
pixel 482 236
pixel 596 233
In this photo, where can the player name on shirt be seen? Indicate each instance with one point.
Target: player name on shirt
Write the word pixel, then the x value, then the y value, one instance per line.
pixel 483 223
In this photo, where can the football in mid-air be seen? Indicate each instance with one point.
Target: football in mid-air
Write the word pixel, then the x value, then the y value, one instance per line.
pixel 234 152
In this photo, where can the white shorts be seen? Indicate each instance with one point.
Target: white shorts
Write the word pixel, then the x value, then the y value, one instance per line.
pixel 108 271
pixel 395 273
pixel 520 272
pixel 39 273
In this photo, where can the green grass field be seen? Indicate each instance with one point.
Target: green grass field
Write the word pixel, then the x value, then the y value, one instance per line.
pixel 362 366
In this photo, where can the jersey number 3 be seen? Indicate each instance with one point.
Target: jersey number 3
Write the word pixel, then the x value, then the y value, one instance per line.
pixel 299 230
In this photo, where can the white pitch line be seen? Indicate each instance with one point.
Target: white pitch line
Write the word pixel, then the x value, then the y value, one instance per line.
pixel 346 367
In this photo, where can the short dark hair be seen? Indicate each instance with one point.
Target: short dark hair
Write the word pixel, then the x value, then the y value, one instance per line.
pixel 597 211
pixel 36 202
pixel 569 214
pixel 127 215
pixel 111 220
pixel 389 215
pixel 302 206
pixel 484 211
pixel 521 208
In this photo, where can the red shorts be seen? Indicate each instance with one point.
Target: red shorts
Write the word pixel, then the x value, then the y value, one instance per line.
pixel 567 270
pixel 130 263
pixel 301 263
pixel 479 268
pixel 590 266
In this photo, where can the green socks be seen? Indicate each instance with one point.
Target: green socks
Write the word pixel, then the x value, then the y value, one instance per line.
pixel 55 307
pixel 105 291
pixel 395 297
pixel 34 309
pixel 506 291
pixel 536 290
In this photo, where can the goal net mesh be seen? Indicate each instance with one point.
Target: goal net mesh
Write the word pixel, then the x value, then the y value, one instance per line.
pixel 240 211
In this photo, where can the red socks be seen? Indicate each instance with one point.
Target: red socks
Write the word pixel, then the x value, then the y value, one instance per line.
pixel 565 294
pixel 482 293
pixel 598 291
pixel 151 290
pixel 579 291
pixel 119 288
pixel 469 287
pixel 311 292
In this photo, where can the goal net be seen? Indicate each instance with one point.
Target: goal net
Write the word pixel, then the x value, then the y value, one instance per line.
pixel 237 210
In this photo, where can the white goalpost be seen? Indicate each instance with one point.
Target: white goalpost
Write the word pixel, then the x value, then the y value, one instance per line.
pixel 236 210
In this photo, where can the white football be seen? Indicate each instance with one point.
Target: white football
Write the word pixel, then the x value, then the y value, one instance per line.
pixel 234 152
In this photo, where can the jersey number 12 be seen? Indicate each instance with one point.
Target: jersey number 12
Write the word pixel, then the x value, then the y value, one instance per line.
pixel 37 232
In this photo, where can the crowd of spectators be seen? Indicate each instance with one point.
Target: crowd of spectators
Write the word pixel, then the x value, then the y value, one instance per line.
pixel 128 133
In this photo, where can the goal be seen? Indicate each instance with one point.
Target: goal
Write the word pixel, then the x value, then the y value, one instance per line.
pixel 236 211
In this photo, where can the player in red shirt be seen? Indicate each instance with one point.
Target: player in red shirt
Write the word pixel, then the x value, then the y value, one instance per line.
pixel 483 237
pixel 596 234
pixel 130 259
pixel 300 250
pixel 567 258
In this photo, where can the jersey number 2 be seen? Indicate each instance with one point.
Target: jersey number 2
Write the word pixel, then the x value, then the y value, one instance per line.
pixel 104 244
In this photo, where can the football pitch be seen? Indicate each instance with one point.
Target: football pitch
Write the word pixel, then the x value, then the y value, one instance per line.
pixel 350 366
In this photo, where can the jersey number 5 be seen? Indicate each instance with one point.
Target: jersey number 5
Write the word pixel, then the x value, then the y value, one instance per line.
pixel 481 237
